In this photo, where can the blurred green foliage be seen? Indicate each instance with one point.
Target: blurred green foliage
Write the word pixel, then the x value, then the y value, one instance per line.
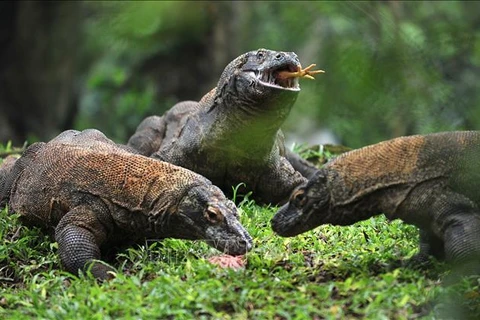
pixel 392 68
pixel 119 37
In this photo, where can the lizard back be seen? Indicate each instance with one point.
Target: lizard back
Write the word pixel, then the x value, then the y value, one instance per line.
pixel 404 161
pixel 67 170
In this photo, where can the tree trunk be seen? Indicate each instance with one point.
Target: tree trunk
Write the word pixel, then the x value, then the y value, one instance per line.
pixel 39 44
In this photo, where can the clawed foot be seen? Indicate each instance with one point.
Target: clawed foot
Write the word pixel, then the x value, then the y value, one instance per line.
pixel 100 270
pixel 418 261
pixel 301 73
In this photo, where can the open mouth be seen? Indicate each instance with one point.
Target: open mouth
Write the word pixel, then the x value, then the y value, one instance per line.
pixel 272 77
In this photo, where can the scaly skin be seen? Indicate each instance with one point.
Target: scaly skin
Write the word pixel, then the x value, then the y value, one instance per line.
pixel 91 193
pixel 431 181
pixel 5 168
pixel 233 135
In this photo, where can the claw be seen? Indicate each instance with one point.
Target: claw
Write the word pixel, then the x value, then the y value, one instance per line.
pixel 301 73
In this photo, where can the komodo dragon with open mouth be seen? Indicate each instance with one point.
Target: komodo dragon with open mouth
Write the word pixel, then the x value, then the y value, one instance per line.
pixel 431 181
pixel 232 135
pixel 92 193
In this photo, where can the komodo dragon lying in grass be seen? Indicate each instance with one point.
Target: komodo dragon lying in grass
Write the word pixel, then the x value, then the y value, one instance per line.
pixel 431 181
pixel 91 193
pixel 232 135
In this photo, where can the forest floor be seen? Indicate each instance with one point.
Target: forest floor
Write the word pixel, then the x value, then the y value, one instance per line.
pixel 327 273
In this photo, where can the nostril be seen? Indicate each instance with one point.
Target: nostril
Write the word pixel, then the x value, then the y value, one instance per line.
pixel 279 56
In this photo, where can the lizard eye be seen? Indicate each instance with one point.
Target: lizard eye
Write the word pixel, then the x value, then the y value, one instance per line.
pixel 213 214
pixel 260 54
pixel 298 198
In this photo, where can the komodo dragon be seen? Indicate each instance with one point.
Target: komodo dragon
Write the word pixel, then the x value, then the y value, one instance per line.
pixel 431 181
pixel 232 135
pixel 92 194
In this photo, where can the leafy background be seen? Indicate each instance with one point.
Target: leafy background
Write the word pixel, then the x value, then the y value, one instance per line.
pixel 393 67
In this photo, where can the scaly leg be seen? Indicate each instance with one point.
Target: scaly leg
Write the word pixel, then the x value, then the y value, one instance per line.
pixel 79 235
pixel 301 165
pixel 430 245
pixel 462 244
pixel 457 221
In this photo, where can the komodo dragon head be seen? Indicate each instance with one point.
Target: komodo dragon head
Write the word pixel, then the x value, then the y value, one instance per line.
pixel 308 208
pixel 260 81
pixel 204 213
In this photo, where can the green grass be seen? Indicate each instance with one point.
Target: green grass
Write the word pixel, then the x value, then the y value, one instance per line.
pixel 330 272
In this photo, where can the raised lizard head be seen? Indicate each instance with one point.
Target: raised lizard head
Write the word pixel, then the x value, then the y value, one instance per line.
pixel 263 79
pixel 309 207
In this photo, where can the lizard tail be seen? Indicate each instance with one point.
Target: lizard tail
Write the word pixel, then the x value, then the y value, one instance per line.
pixel 11 168
pixel 5 173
